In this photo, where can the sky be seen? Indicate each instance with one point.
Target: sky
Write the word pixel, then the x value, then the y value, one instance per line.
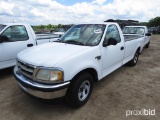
pixel 37 12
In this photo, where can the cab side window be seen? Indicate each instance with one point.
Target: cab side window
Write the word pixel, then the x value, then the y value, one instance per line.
pixel 15 33
pixel 112 32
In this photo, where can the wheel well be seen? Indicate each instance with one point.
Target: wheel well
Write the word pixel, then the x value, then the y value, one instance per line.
pixel 139 49
pixel 92 71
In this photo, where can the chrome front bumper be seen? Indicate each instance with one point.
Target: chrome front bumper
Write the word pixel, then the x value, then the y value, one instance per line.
pixel 44 91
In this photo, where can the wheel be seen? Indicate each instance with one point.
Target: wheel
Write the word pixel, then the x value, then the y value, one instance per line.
pixel 79 90
pixel 134 61
pixel 147 45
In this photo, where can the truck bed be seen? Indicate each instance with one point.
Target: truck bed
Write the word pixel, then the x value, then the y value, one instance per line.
pixel 129 37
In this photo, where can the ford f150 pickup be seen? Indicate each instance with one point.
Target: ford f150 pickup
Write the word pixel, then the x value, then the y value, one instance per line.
pixel 137 32
pixel 15 37
pixel 85 53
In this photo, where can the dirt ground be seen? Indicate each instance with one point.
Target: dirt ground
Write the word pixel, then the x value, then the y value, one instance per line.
pixel 128 88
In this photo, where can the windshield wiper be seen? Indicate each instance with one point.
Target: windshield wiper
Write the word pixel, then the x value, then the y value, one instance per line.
pixel 74 42
pixel 59 41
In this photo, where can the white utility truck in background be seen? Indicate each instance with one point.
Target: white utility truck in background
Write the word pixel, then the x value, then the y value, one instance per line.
pixel 15 37
pixel 137 32
pixel 60 32
pixel 85 53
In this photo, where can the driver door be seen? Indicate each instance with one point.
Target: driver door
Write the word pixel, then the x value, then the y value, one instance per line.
pixel 17 39
pixel 112 54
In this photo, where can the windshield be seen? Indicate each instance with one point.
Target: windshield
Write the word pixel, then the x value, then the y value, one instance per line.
pixel 134 30
pixel 84 34
pixel 1 27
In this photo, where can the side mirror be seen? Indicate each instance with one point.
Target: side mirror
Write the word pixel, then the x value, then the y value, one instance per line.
pixel 111 41
pixel 148 34
pixel 3 38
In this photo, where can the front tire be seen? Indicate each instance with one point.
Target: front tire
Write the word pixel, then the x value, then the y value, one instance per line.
pixel 134 61
pixel 79 90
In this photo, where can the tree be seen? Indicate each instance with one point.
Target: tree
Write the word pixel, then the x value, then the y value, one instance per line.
pixel 59 26
pixel 49 26
pixel 42 26
pixel 154 22
pixel 143 23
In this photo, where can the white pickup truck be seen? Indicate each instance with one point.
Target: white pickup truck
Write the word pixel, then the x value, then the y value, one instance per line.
pixel 15 37
pixel 86 53
pixel 60 32
pixel 137 32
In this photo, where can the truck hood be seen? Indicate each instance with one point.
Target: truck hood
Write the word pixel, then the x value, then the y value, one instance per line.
pixel 49 54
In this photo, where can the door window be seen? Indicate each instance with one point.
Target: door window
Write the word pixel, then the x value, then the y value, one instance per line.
pixel 15 33
pixel 112 32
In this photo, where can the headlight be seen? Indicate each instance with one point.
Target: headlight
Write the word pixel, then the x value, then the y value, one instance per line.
pixel 49 75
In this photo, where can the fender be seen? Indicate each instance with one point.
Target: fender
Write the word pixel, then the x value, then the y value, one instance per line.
pixel 80 69
pixel 81 61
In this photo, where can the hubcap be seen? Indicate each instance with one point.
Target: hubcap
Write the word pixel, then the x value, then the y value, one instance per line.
pixel 136 58
pixel 84 90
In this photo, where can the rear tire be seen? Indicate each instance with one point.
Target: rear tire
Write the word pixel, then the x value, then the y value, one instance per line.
pixel 79 90
pixel 147 45
pixel 134 61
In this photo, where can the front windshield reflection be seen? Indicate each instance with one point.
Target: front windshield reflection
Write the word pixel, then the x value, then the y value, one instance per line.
pixel 85 34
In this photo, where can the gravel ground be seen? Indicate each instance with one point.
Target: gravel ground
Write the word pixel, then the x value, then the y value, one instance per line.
pixel 128 88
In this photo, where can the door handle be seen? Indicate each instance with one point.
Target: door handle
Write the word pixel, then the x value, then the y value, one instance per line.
pixel 29 45
pixel 122 48
pixel 98 57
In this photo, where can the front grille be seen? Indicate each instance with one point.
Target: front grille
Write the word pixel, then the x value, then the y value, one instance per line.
pixel 25 69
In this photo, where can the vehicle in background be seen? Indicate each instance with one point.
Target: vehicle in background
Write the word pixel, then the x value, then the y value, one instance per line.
pixel 123 23
pixel 154 30
pixel 150 30
pixel 132 32
pixel 50 37
pixel 86 53
pixel 60 32
pixel 15 37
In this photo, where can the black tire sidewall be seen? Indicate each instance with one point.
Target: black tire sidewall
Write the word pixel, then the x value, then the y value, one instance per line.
pixel 147 45
pixel 132 63
pixel 72 93
pixel 136 54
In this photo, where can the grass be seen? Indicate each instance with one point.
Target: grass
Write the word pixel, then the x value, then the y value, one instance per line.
pixel 156 34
